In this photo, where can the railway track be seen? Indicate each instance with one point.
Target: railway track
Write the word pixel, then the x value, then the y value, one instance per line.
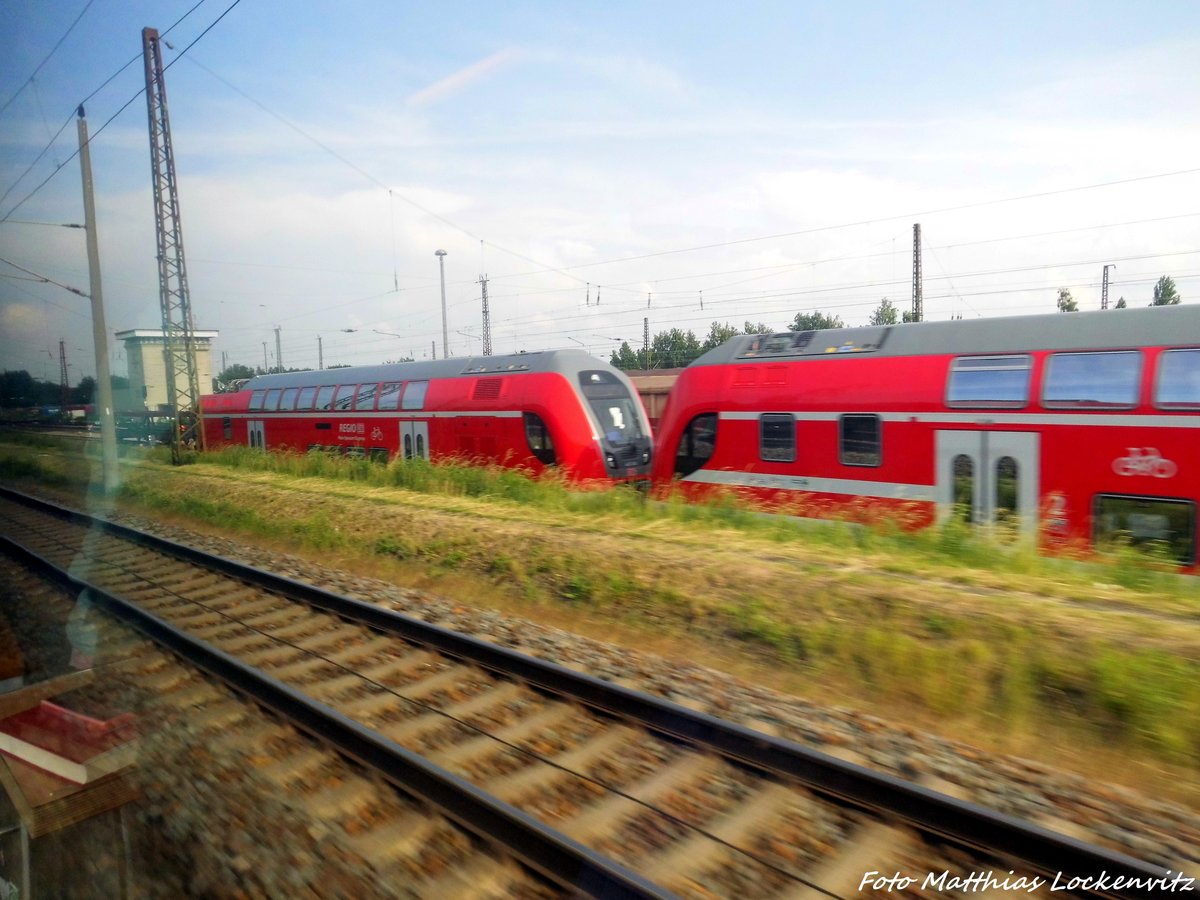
pixel 598 787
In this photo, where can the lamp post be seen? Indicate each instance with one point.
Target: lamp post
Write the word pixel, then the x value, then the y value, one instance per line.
pixel 441 255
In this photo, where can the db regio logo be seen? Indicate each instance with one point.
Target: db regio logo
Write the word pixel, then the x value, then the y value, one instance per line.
pixel 1145 461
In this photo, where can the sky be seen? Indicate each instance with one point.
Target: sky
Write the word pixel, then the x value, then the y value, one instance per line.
pixel 602 164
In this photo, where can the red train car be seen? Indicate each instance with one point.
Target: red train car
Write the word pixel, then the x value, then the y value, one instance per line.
pixel 1077 427
pixel 532 410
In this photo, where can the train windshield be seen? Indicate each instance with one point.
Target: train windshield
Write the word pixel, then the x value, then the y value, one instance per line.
pixel 615 409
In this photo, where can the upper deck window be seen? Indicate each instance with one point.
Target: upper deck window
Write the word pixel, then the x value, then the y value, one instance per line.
pixel 345 396
pixel 1178 385
pixel 256 399
pixel 777 437
pixel 305 400
pixel 325 396
pixel 989 381
pixel 365 399
pixel 272 400
pixel 389 395
pixel 288 400
pixel 414 395
pixel 1093 380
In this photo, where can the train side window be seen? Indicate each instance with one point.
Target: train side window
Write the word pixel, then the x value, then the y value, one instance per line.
pixel 860 440
pixel 1146 521
pixel 272 401
pixel 696 444
pixel 537 435
pixel 1007 482
pixel 365 398
pixel 414 395
pixel 227 428
pixel 1110 380
pixel 777 437
pixel 389 395
pixel 989 381
pixel 345 396
pixel 408 450
pixel 288 400
pixel 325 396
pixel 305 400
pixel 962 472
pixel 1178 385
pixel 256 399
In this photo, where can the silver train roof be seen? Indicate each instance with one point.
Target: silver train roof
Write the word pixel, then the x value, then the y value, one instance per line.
pixel 1097 330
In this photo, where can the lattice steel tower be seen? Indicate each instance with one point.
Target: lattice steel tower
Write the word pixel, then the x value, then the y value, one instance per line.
pixel 179 344
pixel 918 299
pixel 486 350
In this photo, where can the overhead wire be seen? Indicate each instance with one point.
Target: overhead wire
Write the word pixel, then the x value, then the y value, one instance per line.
pixel 46 59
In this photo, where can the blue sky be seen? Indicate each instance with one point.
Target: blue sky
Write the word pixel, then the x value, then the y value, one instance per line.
pixel 769 158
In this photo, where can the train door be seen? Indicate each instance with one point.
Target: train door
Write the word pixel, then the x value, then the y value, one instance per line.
pixel 255 434
pixel 414 440
pixel 989 477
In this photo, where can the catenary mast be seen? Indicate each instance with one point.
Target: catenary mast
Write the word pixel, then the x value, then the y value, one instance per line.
pixel 179 344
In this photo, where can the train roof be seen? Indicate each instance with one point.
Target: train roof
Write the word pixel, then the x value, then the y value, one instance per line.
pixel 1096 330
pixel 565 362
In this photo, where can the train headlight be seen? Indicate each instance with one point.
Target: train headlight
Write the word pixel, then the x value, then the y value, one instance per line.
pixel 611 460
pixel 645 456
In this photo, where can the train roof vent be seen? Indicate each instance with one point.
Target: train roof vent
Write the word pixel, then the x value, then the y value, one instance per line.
pixel 487 388
pixel 499 366
pixel 817 343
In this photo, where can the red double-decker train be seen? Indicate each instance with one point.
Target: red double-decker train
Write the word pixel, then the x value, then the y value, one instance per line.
pixel 1076 428
pixel 531 410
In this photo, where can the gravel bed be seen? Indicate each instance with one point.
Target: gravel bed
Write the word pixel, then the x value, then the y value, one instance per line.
pixel 1154 830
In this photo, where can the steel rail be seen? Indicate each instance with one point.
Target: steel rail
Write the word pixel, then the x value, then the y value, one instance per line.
pixel 546 850
pixel 929 812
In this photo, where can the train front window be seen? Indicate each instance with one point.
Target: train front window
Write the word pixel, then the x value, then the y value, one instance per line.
pixel 696 444
pixel 615 410
pixel 1166 525
pixel 1178 385
pixel 537 435
pixel 1110 380
pixel 989 381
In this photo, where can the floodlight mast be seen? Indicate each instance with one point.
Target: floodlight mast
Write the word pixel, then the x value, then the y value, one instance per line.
pixel 179 338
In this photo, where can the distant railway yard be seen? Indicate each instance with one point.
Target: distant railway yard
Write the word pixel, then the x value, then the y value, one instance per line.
pixel 844 708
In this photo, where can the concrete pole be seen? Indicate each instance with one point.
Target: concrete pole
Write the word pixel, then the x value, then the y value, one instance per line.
pixel 104 393
pixel 320 354
pixel 441 255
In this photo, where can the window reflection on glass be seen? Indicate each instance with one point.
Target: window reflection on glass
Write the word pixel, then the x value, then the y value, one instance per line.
pixel 963 478
pixel 1178 385
pixel 1093 379
pixel 1006 489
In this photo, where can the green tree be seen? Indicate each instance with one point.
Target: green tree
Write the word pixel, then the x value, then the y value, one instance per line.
pixel 1066 303
pixel 673 349
pixel 236 372
pixel 719 334
pixel 85 391
pixel 1120 303
pixel 1165 293
pixel 815 321
pixel 757 328
pixel 885 314
pixel 626 359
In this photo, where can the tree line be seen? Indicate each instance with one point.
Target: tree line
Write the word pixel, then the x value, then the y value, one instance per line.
pixel 1165 294
pixel 20 390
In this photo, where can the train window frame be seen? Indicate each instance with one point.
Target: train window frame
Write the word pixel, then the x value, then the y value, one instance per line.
pixel 414 395
pixel 364 398
pixel 872 457
pixel 1187 542
pixel 963 367
pixel 780 445
pixel 389 395
pixel 1131 386
pixel 343 400
pixel 227 428
pixel 271 403
pixel 1193 375
pixel 256 399
pixel 538 439
pixel 287 400
pixel 324 399
pixel 304 399
pixel 699 435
